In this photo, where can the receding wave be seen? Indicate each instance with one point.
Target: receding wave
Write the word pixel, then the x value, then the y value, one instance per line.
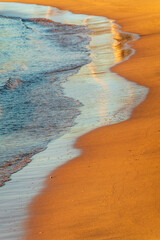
pixel 37 56
pixel 44 106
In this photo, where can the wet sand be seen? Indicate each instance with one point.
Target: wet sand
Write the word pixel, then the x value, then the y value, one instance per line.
pixel 112 190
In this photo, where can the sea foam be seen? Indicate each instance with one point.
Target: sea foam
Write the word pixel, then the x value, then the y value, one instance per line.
pixel 105 99
pixel 37 56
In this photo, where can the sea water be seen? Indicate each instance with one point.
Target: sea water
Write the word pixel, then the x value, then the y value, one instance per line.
pixel 56 85
pixel 37 55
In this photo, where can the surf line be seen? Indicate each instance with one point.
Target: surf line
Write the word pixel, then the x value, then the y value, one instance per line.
pixel 107 99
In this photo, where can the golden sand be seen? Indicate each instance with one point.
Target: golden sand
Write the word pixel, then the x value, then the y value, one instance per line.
pixel 112 191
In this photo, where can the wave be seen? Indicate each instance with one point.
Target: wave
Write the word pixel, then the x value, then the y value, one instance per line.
pixel 37 55
pixel 101 98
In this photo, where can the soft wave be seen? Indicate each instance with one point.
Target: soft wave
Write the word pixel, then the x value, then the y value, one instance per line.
pixel 38 55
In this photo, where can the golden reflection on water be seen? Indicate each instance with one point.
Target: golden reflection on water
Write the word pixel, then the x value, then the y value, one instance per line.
pixel 122 50
pixel 102 100
pixel 98 65
pixel 51 12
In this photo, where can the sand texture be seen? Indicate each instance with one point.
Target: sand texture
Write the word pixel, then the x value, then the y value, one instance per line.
pixel 112 191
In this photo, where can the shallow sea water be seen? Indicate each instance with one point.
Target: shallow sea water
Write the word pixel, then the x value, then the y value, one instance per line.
pixel 68 92
pixel 37 55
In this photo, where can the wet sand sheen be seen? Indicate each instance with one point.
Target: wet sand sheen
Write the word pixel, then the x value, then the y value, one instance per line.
pixel 106 98
pixel 112 190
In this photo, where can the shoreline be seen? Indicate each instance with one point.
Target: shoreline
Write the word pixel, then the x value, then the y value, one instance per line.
pixel 131 198
pixel 107 107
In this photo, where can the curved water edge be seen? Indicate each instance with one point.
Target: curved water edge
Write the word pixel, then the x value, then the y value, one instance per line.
pixel 37 55
pixel 106 97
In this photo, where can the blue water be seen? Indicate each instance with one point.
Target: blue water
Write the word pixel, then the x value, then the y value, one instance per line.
pixel 44 96
pixel 37 56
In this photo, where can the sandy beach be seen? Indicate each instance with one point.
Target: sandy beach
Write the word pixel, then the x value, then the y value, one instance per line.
pixel 112 190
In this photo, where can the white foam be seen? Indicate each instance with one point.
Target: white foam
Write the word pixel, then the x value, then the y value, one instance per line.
pixel 107 99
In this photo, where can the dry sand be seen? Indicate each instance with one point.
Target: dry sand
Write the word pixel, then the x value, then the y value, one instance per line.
pixel 112 191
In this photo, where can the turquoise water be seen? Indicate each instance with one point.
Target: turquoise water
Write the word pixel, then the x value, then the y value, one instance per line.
pixel 37 56
pixel 56 89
